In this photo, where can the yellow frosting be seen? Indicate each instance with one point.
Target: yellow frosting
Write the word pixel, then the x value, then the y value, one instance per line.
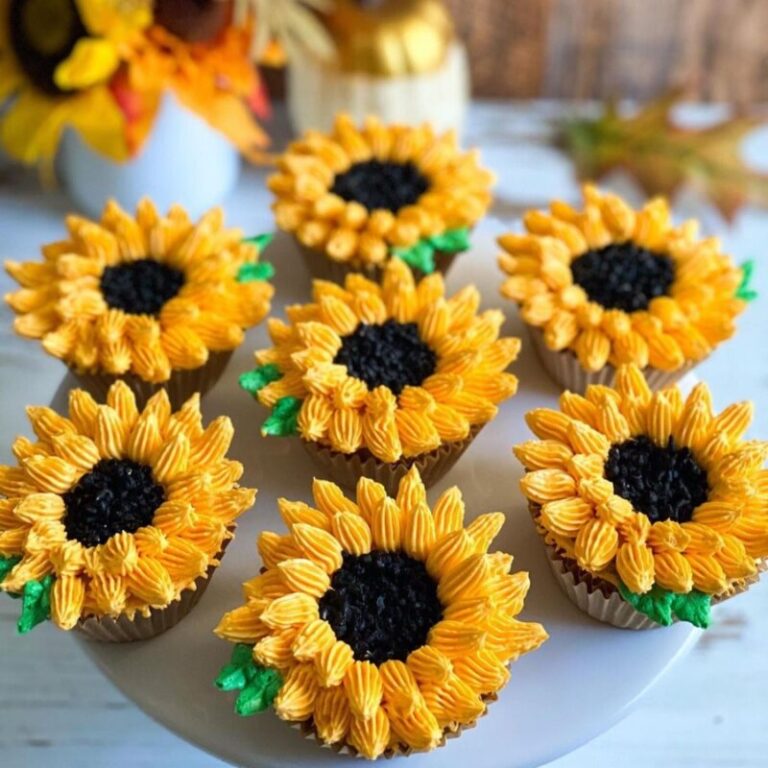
pixel 442 684
pixel 685 326
pixel 130 572
pixel 579 512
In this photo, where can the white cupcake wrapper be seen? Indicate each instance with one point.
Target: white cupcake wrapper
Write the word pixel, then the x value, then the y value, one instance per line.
pixel 565 369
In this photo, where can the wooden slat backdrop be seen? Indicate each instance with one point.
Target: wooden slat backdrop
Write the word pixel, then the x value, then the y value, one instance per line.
pixel 606 48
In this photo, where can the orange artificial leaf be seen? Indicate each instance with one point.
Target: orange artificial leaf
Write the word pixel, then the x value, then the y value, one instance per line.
pixel 662 156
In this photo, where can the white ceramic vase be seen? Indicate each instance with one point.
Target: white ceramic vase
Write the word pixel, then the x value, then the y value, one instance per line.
pixel 183 161
pixel 317 92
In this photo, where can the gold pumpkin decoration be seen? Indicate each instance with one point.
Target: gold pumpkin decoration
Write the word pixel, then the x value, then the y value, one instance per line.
pixel 390 38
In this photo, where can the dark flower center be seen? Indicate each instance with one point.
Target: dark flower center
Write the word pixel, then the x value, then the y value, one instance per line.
pixel 623 275
pixel 42 34
pixel 663 483
pixel 377 184
pixel 382 605
pixel 196 21
pixel 116 495
pixel 391 354
pixel 140 287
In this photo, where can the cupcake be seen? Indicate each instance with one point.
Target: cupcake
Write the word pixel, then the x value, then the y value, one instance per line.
pixel 357 197
pixel 652 507
pixel 377 377
pixel 608 286
pixel 114 520
pixel 159 302
pixel 378 626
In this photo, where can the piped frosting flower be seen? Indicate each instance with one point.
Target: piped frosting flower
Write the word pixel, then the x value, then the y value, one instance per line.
pixel 112 511
pixel 614 286
pixel 385 623
pixel 655 493
pixel 361 195
pixel 393 367
pixel 145 295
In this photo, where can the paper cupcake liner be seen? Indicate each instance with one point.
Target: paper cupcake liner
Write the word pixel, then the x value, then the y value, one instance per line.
pixel 106 629
pixel 180 387
pixel 322 267
pixel 346 469
pixel 602 600
pixel 307 729
pixel 565 369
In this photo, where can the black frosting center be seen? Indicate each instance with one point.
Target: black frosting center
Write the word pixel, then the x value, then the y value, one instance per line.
pixel 391 354
pixel 42 35
pixel 116 495
pixel 382 605
pixel 140 287
pixel 623 275
pixel 663 483
pixel 376 184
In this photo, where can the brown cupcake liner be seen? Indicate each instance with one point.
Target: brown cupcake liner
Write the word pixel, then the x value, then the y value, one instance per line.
pixel 600 598
pixel 565 369
pixel 180 387
pixel 322 267
pixel 308 730
pixel 106 629
pixel 346 469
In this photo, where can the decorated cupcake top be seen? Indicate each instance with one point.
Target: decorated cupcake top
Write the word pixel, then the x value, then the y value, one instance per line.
pixel 111 511
pixel 383 622
pixel 617 286
pixel 653 492
pixel 362 195
pixel 145 295
pixel 393 367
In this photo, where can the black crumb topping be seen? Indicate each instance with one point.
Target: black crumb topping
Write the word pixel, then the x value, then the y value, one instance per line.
pixel 623 276
pixel 140 287
pixel 374 184
pixel 663 483
pixel 391 354
pixel 382 605
pixel 26 33
pixel 116 495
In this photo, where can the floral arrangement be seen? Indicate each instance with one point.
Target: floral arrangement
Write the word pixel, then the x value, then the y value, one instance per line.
pixel 102 68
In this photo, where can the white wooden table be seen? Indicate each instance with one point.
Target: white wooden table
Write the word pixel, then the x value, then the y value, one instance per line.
pixel 711 711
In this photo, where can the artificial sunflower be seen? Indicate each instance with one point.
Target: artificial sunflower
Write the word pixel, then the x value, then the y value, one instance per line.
pixel 56 60
pixel 606 286
pixel 389 370
pixel 360 196
pixel 378 624
pixel 146 296
pixel 113 512
pixel 650 494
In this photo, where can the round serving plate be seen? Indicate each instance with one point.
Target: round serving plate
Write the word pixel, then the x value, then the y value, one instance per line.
pixel 583 680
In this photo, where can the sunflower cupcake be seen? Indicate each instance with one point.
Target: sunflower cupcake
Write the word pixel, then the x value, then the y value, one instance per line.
pixel 652 506
pixel 376 377
pixel 114 519
pixel 359 196
pixel 378 626
pixel 158 301
pixel 607 286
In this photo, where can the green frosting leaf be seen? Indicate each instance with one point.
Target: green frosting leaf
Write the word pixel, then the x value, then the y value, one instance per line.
pixel 661 605
pixel 745 292
pixel 7 564
pixel 260 241
pixel 258 685
pixel 261 271
pixel 452 240
pixel 36 604
pixel 422 255
pixel 695 607
pixel 283 421
pixel 255 380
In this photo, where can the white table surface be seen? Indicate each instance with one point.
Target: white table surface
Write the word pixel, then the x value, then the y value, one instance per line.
pixel 57 710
